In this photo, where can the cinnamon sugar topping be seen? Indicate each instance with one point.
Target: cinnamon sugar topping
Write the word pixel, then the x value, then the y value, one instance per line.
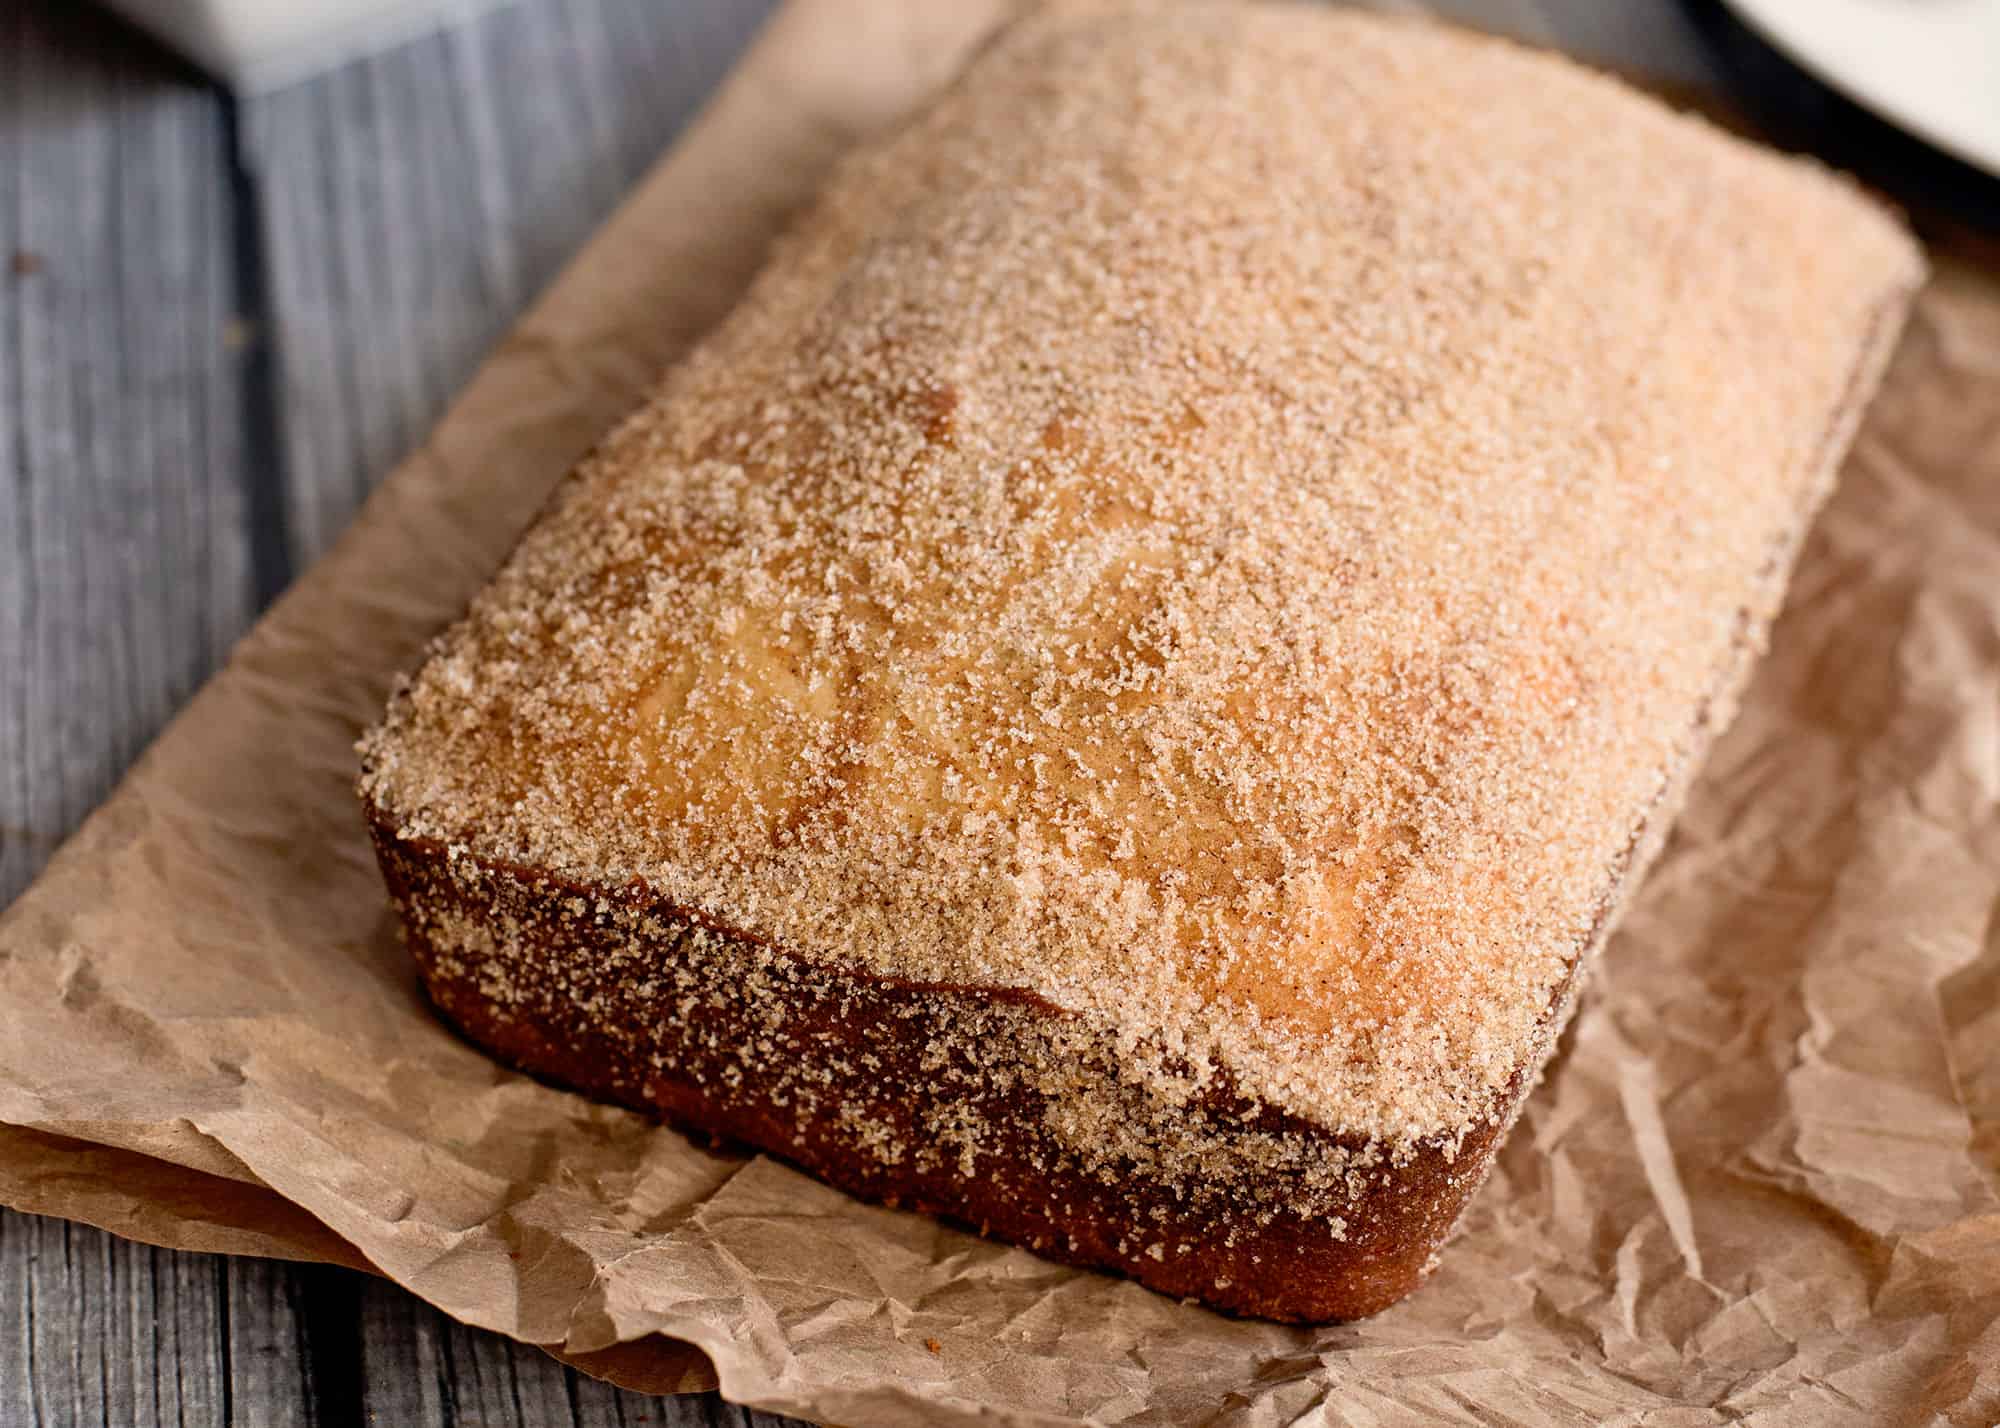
pixel 1226 523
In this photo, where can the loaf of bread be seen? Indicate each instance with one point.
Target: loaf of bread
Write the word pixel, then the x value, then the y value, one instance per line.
pixel 1115 697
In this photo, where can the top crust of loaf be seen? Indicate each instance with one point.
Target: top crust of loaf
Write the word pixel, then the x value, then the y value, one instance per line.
pixel 1225 522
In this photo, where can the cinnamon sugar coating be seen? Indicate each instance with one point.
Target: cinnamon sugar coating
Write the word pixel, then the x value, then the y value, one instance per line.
pixel 1226 523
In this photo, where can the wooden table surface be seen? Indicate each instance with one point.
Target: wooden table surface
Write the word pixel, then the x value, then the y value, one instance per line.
pixel 221 320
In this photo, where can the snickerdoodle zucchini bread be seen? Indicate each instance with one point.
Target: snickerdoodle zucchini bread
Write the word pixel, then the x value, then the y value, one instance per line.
pixel 1114 698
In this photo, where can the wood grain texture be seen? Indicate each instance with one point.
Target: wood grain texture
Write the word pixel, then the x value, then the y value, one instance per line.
pixel 107 1331
pixel 228 322
pixel 123 578
pixel 416 201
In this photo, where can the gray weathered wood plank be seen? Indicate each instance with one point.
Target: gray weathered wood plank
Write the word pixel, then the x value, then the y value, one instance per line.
pixel 108 1331
pixel 124 577
pixel 123 580
pixel 416 201
pixel 274 1369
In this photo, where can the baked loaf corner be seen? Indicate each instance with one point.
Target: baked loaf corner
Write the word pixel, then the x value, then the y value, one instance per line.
pixel 1114 697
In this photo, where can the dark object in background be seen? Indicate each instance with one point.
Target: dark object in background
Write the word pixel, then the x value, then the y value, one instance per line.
pixel 1796 110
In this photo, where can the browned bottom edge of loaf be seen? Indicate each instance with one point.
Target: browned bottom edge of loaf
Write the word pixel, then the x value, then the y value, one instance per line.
pixel 541 973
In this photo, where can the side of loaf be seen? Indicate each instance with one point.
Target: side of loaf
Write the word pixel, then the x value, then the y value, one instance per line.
pixel 1115 697
pixel 992 1109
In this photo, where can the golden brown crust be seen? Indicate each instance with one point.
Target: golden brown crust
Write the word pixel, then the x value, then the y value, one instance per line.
pixel 935 1097
pixel 618 993
pixel 1117 713
pixel 1220 523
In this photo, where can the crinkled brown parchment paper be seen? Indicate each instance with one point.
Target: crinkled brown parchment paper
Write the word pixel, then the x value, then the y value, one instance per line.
pixel 1762 1183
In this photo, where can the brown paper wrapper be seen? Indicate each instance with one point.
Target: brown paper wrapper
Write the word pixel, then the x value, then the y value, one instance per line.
pixel 1762 1182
